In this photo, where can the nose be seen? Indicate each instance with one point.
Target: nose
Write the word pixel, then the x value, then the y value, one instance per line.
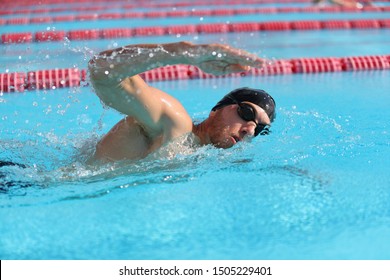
pixel 247 129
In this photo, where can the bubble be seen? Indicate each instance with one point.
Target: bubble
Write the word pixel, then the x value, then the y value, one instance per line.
pixel 106 72
pixel 48 110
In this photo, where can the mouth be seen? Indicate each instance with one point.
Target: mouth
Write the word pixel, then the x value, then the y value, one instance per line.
pixel 236 139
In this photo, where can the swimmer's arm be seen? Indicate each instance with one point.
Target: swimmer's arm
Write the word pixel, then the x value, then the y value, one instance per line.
pixel 114 75
pixel 112 66
pixel 348 3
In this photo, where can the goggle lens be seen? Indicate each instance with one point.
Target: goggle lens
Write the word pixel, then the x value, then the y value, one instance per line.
pixel 248 113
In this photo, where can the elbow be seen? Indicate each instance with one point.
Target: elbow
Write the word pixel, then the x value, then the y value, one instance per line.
pixel 91 67
pixel 95 73
pixel 92 64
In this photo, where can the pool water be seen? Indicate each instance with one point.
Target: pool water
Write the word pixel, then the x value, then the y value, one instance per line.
pixel 316 188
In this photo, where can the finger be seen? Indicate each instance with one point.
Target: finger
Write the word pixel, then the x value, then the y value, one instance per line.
pixel 234 55
pixel 250 60
pixel 255 62
pixel 236 68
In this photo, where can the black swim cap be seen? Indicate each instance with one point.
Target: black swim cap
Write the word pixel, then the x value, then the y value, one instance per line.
pixel 255 96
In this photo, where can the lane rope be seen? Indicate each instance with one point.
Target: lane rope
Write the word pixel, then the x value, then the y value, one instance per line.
pixel 10 7
pixel 112 33
pixel 74 77
pixel 181 13
pixel 15 6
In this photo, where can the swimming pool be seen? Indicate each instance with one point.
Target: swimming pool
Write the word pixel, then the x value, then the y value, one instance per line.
pixel 316 188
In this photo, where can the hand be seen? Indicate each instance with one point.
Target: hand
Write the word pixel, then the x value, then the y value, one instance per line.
pixel 221 59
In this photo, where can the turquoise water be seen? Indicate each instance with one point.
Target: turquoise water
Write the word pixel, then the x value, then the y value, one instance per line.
pixel 316 188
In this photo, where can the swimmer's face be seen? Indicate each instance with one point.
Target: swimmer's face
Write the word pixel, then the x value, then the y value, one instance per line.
pixel 234 123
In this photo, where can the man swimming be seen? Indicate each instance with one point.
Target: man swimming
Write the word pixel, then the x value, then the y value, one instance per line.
pixel 154 118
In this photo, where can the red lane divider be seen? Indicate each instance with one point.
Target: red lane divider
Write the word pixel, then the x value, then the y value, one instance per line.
pixel 24 37
pixel 335 24
pixel 53 79
pixel 10 82
pixel 50 36
pixel 26 3
pixel 185 13
pixel 93 34
pixel 72 77
pixel 318 65
pixel 140 4
pixel 362 63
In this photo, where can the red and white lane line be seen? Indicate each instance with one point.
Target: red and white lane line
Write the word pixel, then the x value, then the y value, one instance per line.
pixel 73 77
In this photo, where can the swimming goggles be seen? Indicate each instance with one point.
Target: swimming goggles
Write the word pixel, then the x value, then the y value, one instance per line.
pixel 248 113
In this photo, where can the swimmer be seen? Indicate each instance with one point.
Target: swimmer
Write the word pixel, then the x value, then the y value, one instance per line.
pixel 155 118
pixel 346 3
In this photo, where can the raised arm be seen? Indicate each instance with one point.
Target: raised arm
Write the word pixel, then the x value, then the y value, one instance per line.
pixel 114 76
